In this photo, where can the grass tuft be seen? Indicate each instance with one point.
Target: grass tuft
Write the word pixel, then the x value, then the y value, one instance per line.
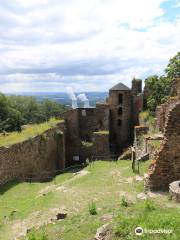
pixel 124 202
pixel 92 209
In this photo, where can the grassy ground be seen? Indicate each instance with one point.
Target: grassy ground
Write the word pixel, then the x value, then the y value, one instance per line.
pixel 107 185
pixel 30 131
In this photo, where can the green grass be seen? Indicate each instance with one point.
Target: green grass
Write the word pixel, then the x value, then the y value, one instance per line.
pixel 149 216
pixel 102 132
pixel 155 143
pixel 104 185
pixel 29 132
pixel 87 144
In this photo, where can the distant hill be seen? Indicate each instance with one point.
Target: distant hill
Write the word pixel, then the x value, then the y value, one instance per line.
pixel 64 99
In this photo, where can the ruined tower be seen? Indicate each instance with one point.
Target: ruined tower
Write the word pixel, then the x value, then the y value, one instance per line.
pixel 136 86
pixel 137 100
pixel 120 116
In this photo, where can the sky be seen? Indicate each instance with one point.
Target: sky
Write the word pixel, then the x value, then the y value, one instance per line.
pixel 88 45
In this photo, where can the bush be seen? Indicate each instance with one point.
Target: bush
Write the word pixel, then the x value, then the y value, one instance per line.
pixel 92 209
pixel 124 202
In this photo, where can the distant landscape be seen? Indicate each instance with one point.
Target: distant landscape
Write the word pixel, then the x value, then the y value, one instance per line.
pixel 64 99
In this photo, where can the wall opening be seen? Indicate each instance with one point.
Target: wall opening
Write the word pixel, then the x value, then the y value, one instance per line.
pixel 120 98
pixel 119 122
pixel 83 112
pixel 120 111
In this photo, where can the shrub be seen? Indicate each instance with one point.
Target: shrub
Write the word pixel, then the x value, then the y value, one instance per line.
pixel 92 209
pixel 124 202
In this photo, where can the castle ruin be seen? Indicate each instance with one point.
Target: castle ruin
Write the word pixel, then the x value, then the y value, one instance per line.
pixel 85 133
pixel 165 168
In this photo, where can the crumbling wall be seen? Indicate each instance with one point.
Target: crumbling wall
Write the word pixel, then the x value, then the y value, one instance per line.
pixel 101 145
pixel 137 108
pixel 73 141
pixel 102 116
pixel 38 158
pixel 139 141
pixel 162 113
pixel 87 123
pixel 165 167
pixel 80 124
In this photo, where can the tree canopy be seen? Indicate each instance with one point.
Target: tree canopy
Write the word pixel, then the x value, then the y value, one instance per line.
pixel 157 88
pixel 16 111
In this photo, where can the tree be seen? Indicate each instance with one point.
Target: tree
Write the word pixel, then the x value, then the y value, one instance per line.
pixel 18 110
pixel 158 90
pixel 3 107
pixel 14 121
pixel 173 68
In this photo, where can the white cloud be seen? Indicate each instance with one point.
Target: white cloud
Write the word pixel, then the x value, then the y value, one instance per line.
pixel 90 45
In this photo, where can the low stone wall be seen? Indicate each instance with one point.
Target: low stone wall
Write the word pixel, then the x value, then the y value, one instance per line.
pixel 37 158
pixel 165 167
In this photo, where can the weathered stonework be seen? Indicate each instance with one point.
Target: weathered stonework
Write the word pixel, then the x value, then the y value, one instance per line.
pixel 125 105
pixel 81 123
pixel 38 158
pixel 174 191
pixel 166 165
pixel 85 133
pixel 101 144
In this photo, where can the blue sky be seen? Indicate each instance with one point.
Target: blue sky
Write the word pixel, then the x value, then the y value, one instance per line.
pixel 87 45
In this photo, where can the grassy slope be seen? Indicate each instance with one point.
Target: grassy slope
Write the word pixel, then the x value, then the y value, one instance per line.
pixel 30 131
pixel 105 184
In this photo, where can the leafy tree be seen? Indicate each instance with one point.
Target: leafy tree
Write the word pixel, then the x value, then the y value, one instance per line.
pixel 14 121
pixel 3 107
pixel 158 89
pixel 18 110
pixel 173 68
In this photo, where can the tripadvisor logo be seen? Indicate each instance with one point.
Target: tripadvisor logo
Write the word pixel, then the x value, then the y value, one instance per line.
pixel 139 231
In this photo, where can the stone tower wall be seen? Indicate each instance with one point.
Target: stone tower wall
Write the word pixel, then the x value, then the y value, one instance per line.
pixel 136 87
pixel 120 123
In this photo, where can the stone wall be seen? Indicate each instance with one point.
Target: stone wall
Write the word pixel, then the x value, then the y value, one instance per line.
pixel 120 119
pixel 99 148
pixel 136 108
pixel 38 158
pixel 139 141
pixel 80 125
pixel 165 167
pixel 162 113
pixel 101 144
pixel 73 141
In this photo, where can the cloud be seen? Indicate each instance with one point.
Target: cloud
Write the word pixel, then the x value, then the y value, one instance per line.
pixel 88 45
